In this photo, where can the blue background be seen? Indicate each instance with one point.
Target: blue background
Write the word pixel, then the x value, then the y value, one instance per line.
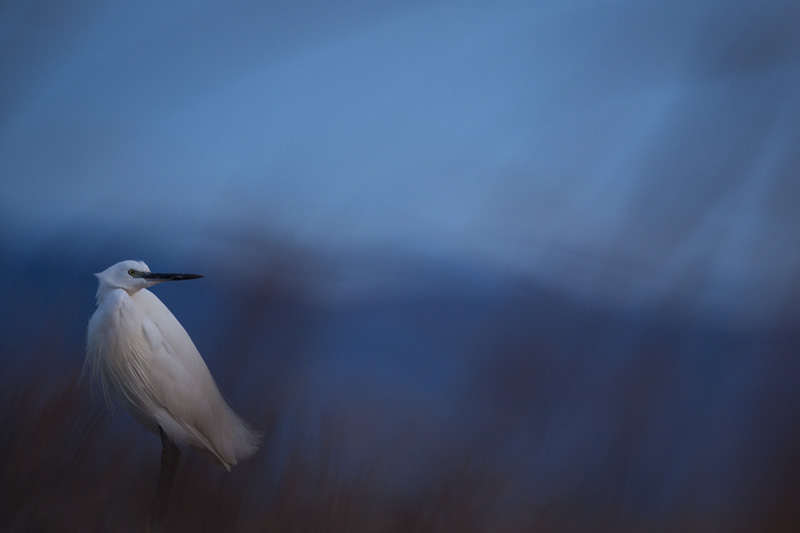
pixel 567 229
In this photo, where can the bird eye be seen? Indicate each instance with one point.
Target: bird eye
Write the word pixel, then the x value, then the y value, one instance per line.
pixel 132 272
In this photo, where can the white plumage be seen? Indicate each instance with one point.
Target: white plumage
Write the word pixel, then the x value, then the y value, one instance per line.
pixel 145 359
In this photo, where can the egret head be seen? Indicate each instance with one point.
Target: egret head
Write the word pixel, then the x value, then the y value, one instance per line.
pixel 133 276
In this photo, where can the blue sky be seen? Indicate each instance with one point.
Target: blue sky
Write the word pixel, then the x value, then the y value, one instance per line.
pixel 632 153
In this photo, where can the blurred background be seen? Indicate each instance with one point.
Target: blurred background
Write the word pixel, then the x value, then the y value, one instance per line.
pixel 469 266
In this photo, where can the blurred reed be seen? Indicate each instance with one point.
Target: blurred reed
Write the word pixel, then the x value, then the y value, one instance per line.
pixel 575 401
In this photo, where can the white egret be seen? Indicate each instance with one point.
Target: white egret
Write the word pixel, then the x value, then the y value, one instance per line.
pixel 142 355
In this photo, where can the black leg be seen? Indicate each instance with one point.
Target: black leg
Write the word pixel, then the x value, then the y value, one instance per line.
pixel 170 457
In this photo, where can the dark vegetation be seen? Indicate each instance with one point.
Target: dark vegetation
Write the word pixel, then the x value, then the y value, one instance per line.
pixel 475 413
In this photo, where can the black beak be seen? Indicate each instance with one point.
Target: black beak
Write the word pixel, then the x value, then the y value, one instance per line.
pixel 168 277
